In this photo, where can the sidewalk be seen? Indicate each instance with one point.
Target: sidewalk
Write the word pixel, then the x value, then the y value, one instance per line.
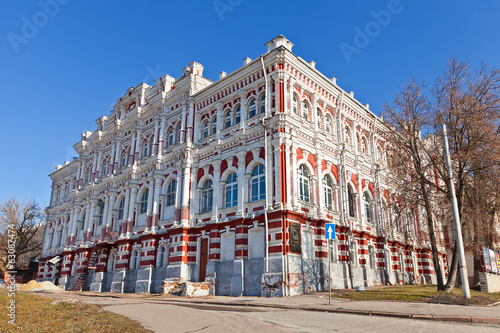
pixel 319 302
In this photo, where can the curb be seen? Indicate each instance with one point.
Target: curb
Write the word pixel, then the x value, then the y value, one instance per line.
pixel 457 319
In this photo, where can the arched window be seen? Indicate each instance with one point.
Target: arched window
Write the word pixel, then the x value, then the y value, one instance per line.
pixel 171 137
pixel 104 169
pixel 295 103
pixel 363 146
pixel 328 124
pixel 58 193
pixel 258 182
pixel 214 125
pixel 304 182
pixel 351 197
pixel 319 119
pixel 262 103
pixel 237 115
pixel 347 135
pixel 121 208
pixel 100 212
pixel 144 202
pixel 171 193
pixel 368 208
pixel 328 191
pixel 252 108
pixel 206 196
pixel 232 190
pixel 179 133
pixel 305 110
pixel 380 156
pixel 84 216
pixel 227 119
pixel 162 257
pixel 124 159
pixel 206 131
pixel 145 149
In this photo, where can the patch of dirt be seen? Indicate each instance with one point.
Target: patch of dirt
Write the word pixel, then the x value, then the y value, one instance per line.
pixel 446 298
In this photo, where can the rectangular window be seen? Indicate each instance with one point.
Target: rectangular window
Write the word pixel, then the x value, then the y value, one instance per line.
pixel 334 254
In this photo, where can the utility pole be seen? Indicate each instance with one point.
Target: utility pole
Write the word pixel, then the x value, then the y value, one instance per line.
pixel 456 218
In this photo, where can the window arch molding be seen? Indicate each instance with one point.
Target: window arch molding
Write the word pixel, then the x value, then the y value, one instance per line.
pixel 368 206
pixel 305 109
pixel 120 207
pixel 329 191
pixel 305 174
pixel 228 118
pixel 206 188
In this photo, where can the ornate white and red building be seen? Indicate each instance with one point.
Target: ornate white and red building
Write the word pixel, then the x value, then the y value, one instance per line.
pixel 232 182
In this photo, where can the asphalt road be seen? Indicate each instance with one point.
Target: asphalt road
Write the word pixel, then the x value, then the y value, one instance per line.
pixel 171 316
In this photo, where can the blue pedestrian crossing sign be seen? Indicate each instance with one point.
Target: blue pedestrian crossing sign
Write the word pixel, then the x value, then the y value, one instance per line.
pixel 330 230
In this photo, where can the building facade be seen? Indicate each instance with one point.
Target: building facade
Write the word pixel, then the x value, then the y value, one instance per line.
pixel 232 182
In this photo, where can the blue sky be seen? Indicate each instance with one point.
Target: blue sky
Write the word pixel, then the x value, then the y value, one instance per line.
pixel 65 65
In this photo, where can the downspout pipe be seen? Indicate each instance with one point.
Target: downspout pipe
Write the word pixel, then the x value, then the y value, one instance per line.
pixel 266 207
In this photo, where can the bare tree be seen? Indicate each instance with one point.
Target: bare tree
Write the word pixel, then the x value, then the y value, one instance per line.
pixel 19 226
pixel 469 104
pixel 412 156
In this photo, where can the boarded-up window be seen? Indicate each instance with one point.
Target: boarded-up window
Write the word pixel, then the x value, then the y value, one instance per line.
pixel 256 243
pixel 227 247
pixel 307 245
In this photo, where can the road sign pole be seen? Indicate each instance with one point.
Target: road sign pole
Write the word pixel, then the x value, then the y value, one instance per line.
pixel 329 275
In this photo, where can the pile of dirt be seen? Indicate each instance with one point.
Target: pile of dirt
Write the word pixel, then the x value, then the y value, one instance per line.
pixel 39 286
pixel 47 285
pixel 30 285
pixel 445 298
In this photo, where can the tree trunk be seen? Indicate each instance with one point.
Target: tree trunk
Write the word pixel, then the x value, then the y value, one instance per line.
pixel 452 274
pixel 432 234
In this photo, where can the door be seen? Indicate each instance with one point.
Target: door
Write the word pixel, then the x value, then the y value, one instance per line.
pixel 203 258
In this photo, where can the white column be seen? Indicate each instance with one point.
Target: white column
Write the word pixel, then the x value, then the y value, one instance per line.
pixel 151 188
pixel 219 120
pixel 217 197
pixel 99 165
pixel 111 203
pixel 319 187
pixel 155 139
pixel 138 145
pixel 277 176
pixel 185 195
pixel 162 136
pixel 315 112
pixel 91 216
pixel 182 136
pixel 288 171
pixel 197 128
pixel 293 178
pixel 117 160
pixel 131 206
pixel 243 115
pixel 242 182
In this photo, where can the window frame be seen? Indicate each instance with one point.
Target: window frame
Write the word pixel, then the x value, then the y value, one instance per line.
pixel 170 196
pixel 304 183
pixel 258 183
pixel 231 190
pixel 207 191
pixel 143 204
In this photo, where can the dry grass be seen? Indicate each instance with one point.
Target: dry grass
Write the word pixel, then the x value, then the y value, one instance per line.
pixel 36 314
pixel 419 293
